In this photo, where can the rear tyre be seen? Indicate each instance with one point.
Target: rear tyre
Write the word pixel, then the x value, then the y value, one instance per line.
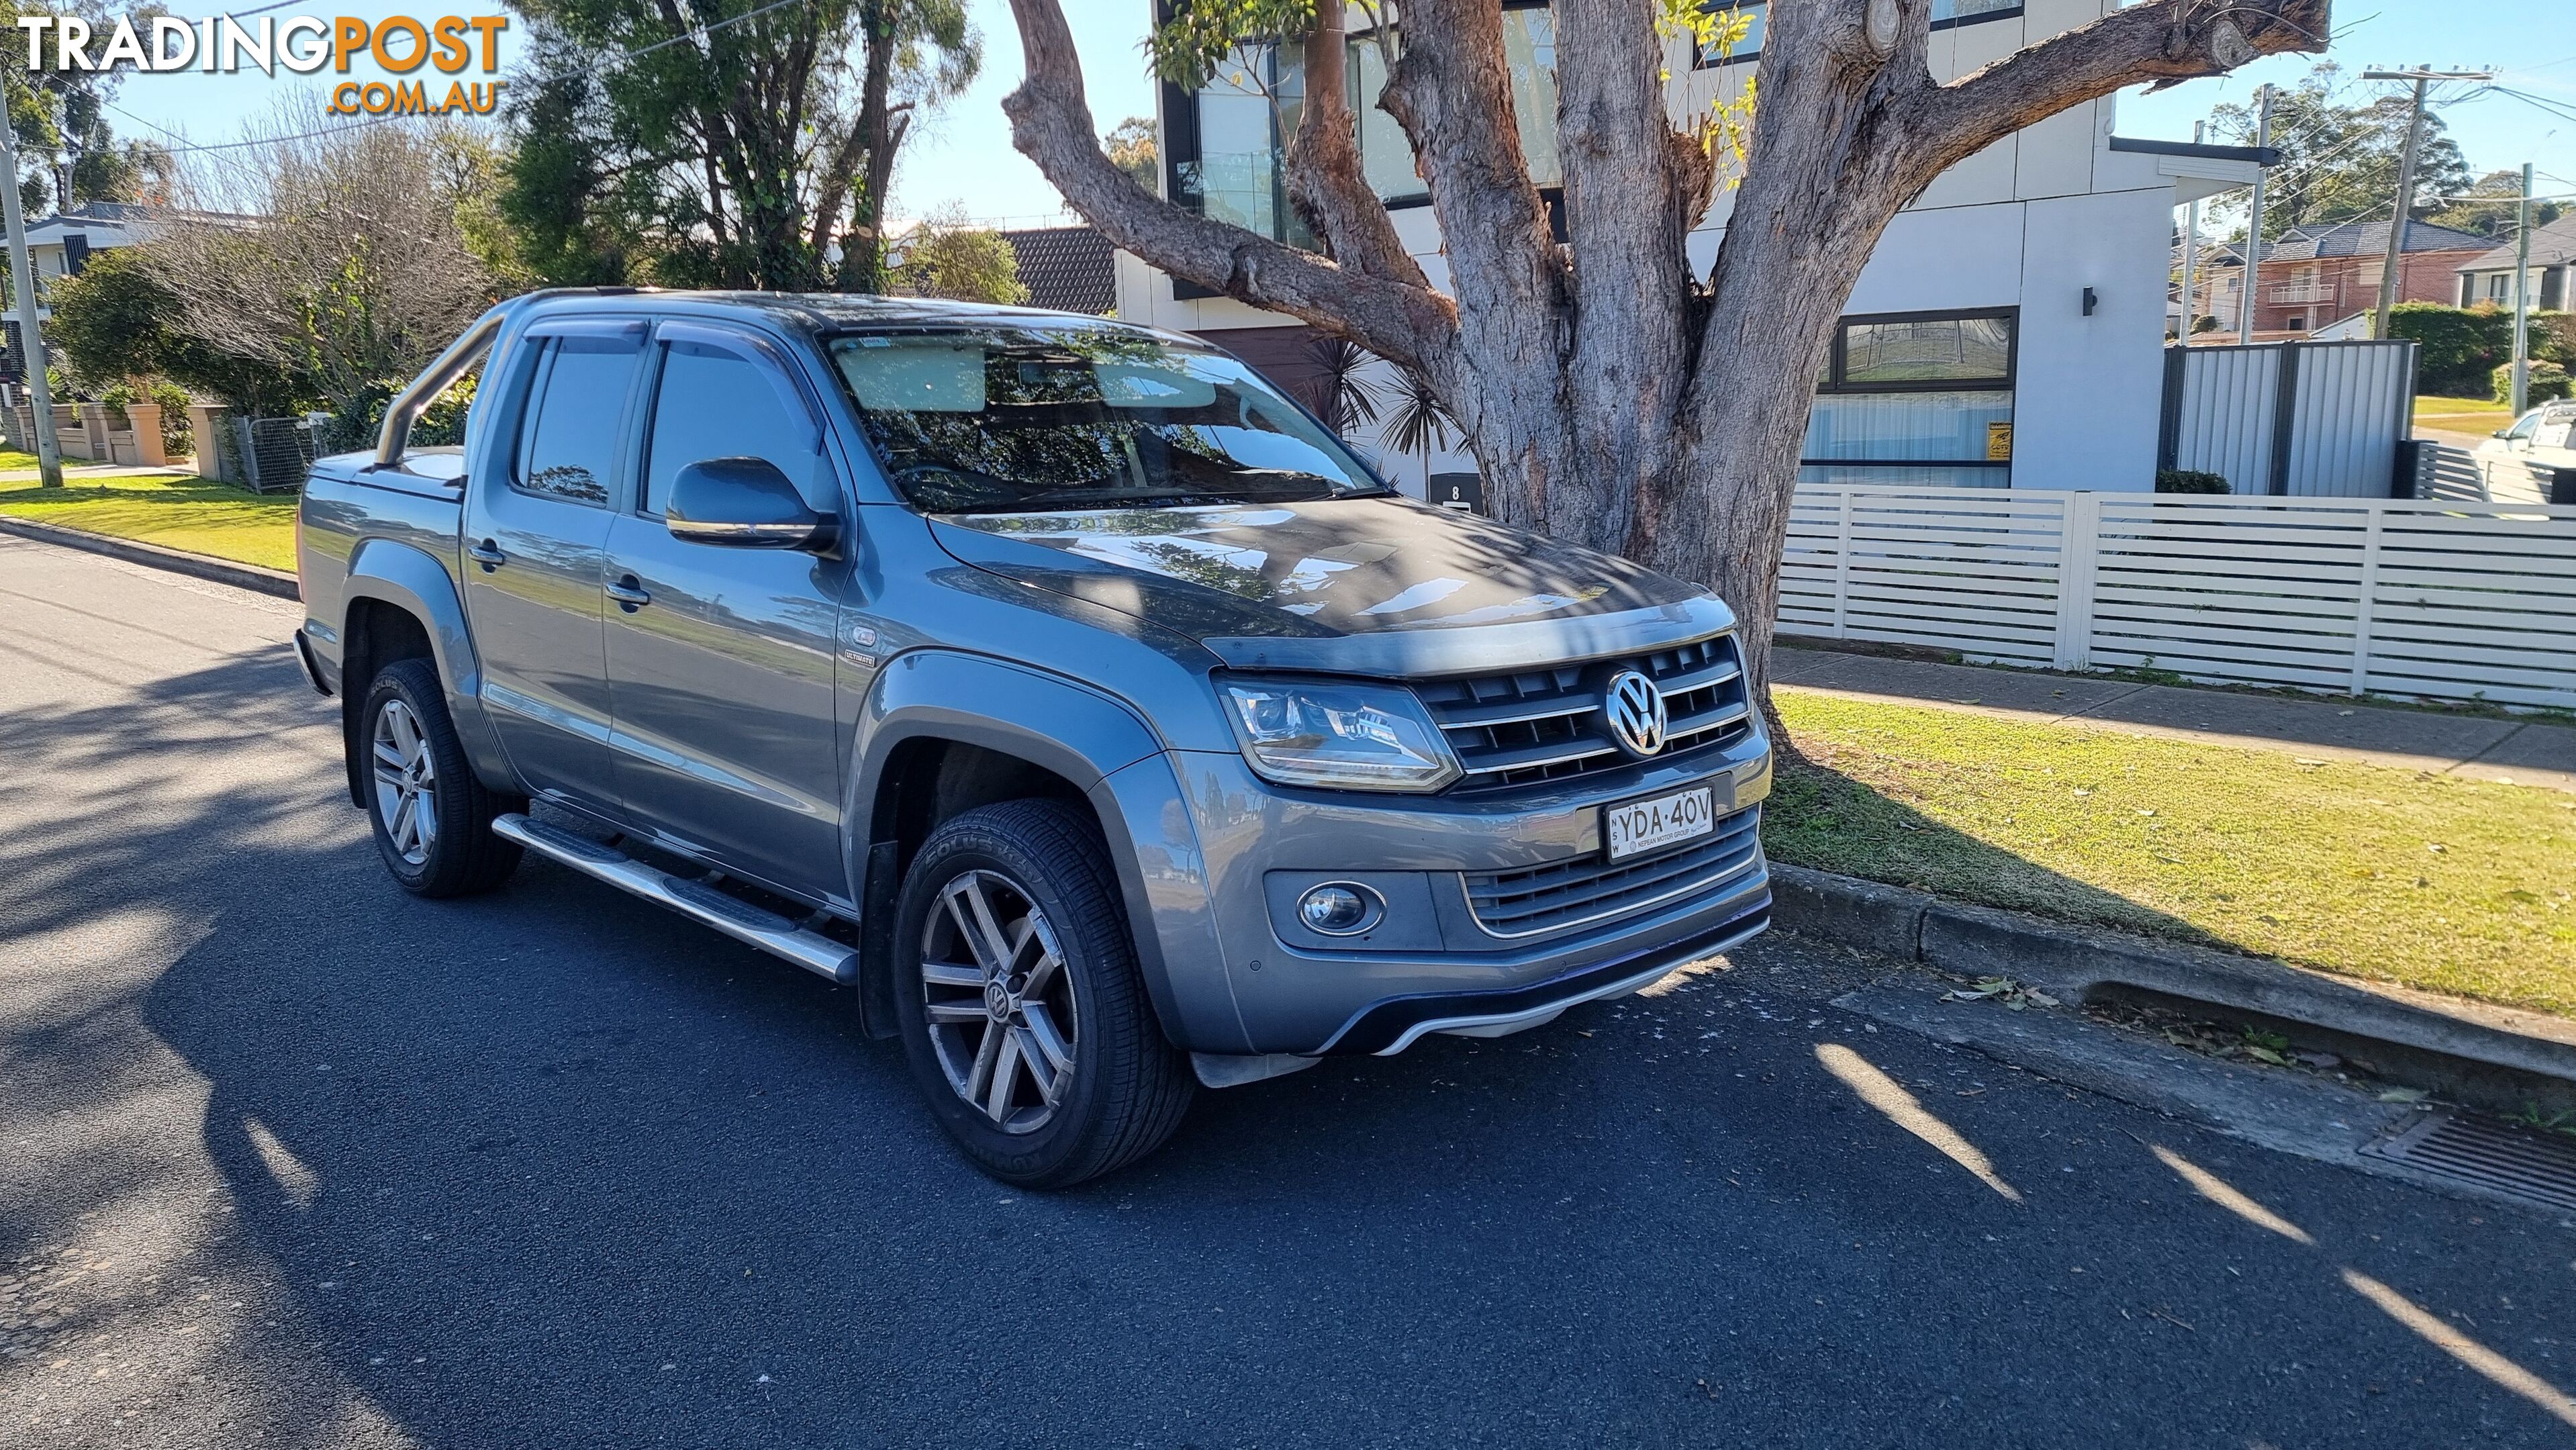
pixel 432 818
pixel 1023 1013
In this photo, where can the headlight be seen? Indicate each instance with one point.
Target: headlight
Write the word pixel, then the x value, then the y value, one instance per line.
pixel 1356 737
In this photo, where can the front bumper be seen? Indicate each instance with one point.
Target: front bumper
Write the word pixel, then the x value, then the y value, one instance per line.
pixel 1390 1026
pixel 1218 904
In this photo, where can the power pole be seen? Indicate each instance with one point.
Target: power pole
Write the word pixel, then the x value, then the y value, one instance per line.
pixel 2190 251
pixel 2388 271
pixel 22 280
pixel 2254 222
pixel 2522 296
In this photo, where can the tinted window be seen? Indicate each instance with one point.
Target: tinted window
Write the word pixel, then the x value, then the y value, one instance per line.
pixel 568 441
pixel 1930 351
pixel 715 404
pixel 1002 420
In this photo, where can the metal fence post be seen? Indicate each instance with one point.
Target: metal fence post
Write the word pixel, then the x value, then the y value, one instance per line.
pixel 2361 607
pixel 2079 547
pixel 1842 564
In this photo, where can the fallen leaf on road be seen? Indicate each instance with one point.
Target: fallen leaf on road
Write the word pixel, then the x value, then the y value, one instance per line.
pixel 2401 1095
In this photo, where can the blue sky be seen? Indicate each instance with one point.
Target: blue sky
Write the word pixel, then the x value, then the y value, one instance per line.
pixel 965 155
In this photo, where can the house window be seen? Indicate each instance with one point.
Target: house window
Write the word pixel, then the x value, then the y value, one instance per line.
pixel 2500 287
pixel 1945 15
pixel 1228 158
pixel 1529 49
pixel 1916 398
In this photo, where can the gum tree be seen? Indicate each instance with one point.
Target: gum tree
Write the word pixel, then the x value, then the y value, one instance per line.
pixel 1611 394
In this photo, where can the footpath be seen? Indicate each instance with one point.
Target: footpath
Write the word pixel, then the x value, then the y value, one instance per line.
pixel 2515 750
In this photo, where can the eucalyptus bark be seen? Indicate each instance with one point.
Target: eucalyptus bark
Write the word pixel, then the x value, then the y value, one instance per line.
pixel 1601 404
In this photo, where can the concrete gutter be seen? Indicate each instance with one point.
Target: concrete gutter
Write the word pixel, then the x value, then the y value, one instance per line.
pixel 220 571
pixel 2496 1057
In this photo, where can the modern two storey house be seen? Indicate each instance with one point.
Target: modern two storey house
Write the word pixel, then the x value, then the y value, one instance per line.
pixel 2008 331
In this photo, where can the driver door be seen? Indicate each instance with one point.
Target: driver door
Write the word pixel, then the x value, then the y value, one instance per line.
pixel 721 659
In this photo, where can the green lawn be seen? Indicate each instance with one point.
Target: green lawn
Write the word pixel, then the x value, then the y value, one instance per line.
pixel 175 511
pixel 2461 415
pixel 2457 886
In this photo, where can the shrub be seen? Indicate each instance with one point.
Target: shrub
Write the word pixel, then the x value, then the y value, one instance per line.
pixel 2189 480
pixel 2545 382
pixel 2458 346
pixel 178 435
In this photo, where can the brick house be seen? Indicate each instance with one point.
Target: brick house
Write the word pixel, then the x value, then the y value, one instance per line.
pixel 2314 277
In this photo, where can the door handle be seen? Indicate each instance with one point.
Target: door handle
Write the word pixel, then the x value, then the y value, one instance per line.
pixel 629 593
pixel 487 554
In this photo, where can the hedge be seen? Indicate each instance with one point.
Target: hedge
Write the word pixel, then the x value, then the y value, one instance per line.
pixel 2545 382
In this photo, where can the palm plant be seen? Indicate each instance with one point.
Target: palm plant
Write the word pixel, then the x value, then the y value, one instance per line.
pixel 1344 397
pixel 1420 424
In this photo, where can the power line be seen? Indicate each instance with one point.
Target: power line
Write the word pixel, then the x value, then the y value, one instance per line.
pixel 2560 109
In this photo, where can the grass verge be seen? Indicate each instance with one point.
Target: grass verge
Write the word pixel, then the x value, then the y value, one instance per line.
pixel 176 512
pixel 2461 415
pixel 2466 887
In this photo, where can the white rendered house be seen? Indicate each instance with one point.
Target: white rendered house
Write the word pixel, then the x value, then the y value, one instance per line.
pixel 2007 332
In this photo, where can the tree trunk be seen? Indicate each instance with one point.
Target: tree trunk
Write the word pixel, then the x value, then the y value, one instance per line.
pixel 1594 408
pixel 872 140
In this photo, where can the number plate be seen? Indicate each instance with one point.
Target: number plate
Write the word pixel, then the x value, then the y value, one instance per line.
pixel 1635 828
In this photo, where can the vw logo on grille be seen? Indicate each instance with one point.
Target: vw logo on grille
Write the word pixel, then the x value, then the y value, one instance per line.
pixel 1636 710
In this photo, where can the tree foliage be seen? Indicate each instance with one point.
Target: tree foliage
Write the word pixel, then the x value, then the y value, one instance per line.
pixel 114 323
pixel 741 156
pixel 1132 147
pixel 949 256
pixel 2489 206
pixel 67 147
pixel 336 264
pixel 2340 144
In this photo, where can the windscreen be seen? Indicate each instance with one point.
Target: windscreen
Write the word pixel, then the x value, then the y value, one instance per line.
pixel 1009 420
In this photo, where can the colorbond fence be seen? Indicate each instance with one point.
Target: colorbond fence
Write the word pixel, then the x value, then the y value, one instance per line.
pixel 2387 596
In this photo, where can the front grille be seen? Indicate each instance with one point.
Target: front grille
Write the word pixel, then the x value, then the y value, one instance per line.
pixel 1536 726
pixel 1588 889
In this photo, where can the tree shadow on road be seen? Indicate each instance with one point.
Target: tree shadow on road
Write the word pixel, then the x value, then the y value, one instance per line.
pixel 548 1168
pixel 1820 817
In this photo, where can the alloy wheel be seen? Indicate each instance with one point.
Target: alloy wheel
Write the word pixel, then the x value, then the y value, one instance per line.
pixel 406 782
pixel 998 1001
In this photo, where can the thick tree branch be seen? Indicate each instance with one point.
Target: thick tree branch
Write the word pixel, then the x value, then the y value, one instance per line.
pixel 1051 124
pixel 1326 180
pixel 867 134
pixel 1451 90
pixel 2157 40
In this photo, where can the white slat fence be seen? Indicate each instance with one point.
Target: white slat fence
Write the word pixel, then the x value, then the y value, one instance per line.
pixel 2448 600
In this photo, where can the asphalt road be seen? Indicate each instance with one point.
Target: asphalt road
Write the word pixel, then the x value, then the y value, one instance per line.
pixel 288 1158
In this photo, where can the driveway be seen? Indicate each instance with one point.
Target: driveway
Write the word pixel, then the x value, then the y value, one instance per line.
pixel 289 1158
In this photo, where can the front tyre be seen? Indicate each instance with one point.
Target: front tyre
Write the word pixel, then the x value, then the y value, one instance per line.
pixel 1024 1016
pixel 432 818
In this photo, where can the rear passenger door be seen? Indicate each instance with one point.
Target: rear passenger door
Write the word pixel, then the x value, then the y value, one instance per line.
pixel 720 659
pixel 536 535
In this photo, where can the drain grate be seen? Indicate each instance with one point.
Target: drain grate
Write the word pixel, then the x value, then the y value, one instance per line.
pixel 2509 1159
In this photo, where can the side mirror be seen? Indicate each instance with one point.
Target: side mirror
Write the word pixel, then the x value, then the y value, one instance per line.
pixel 746 503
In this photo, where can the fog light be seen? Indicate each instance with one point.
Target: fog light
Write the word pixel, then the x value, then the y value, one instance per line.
pixel 1339 908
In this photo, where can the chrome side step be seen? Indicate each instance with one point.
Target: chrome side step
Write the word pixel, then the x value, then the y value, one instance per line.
pixel 700 903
